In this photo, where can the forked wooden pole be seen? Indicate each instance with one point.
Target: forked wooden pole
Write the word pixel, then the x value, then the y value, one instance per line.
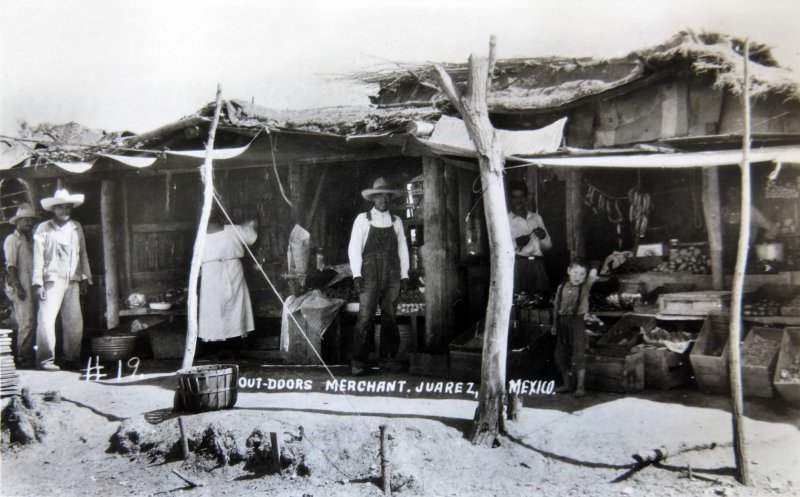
pixel 200 240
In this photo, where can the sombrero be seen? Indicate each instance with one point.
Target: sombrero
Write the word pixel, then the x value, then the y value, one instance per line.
pixel 62 197
pixel 381 186
pixel 23 210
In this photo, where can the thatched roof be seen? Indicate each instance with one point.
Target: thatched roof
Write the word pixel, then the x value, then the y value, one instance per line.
pixel 68 142
pixel 552 82
pixel 332 120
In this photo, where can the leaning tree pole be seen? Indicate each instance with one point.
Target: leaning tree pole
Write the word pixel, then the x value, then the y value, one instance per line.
pixel 474 109
pixel 207 175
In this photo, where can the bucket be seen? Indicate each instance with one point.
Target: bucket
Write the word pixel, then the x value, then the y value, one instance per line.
pixel 208 388
pixel 113 348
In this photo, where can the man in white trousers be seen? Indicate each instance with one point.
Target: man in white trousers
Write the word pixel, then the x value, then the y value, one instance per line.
pixel 61 275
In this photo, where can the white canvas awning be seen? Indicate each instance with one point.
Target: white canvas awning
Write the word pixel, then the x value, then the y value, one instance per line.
pixel 784 155
pixel 450 136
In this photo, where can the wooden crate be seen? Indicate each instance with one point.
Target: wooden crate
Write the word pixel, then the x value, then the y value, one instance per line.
pixel 528 324
pixel 626 333
pixel 693 303
pixel 789 354
pixel 757 377
pixel 422 364
pixel 665 369
pixel 465 365
pixel 615 371
pixel 709 356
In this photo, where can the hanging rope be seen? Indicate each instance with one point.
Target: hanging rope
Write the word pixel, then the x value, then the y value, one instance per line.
pixel 275 168
pixel 283 305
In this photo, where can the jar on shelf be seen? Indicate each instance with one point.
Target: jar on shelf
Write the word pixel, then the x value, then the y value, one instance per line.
pixel 674 249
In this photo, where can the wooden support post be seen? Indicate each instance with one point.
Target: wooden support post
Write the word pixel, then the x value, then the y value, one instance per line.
pixel 184 441
pixel 434 253
pixel 127 239
pixel 441 251
pixel 575 240
pixel 109 253
pixel 452 289
pixel 386 475
pixel 734 336
pixel 200 240
pixel 713 217
pixel 275 452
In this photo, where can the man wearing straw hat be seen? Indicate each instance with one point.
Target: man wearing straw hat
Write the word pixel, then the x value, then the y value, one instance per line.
pixel 60 275
pixel 378 256
pixel 19 264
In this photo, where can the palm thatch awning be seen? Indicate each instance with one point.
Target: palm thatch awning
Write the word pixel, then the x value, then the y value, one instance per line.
pixel 551 83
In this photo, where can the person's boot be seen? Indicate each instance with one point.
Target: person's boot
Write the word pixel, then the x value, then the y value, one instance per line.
pixel 580 390
pixel 566 385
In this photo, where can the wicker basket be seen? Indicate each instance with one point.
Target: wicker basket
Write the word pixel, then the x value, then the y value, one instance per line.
pixel 208 388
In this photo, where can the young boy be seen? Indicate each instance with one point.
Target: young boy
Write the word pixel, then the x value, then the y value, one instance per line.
pixel 571 304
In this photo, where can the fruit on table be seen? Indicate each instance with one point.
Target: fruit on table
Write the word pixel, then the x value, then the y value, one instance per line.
pixel 763 306
pixel 689 259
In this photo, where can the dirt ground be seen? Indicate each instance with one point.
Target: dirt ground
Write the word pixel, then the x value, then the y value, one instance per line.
pixel 122 439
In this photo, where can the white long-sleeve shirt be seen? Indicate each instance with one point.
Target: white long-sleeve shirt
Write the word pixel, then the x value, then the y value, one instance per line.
pixel 358 239
pixel 524 226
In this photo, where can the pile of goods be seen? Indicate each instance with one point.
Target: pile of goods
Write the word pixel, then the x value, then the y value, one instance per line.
pixel 676 341
pixel 761 306
pixel 616 301
pixel 411 300
pixel 791 372
pixel 173 296
pixel 688 259
pixel 343 290
pixel 759 351
pixel 524 301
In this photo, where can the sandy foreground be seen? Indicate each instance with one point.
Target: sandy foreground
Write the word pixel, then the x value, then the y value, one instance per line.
pixel 121 438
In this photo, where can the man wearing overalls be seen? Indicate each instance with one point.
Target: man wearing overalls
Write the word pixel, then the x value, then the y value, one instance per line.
pixel 379 260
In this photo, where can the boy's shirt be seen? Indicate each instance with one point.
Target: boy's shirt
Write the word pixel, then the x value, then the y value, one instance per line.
pixel 573 300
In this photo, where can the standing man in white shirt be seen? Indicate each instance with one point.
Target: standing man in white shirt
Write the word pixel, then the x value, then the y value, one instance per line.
pixel 530 239
pixel 61 275
pixel 379 260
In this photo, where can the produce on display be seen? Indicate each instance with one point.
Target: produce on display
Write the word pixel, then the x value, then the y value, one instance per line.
pixel 759 351
pixel 761 306
pixel 640 205
pixel 689 259
pixel 791 372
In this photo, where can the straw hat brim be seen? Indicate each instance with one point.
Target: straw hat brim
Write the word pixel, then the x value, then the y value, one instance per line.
pixel 14 219
pixel 75 199
pixel 369 192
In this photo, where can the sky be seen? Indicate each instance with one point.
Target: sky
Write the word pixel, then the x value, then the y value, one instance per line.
pixel 136 65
